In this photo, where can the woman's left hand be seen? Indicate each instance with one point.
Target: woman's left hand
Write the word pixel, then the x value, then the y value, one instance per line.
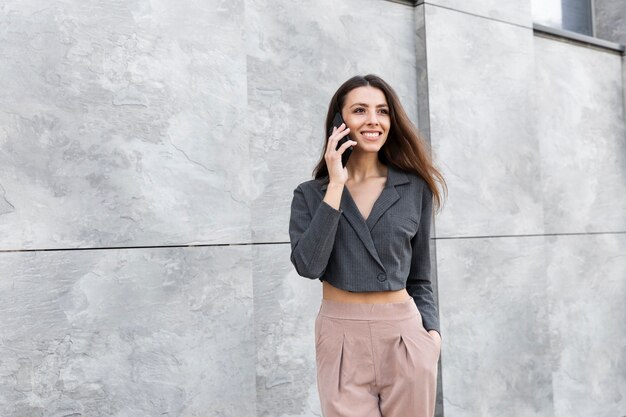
pixel 435 335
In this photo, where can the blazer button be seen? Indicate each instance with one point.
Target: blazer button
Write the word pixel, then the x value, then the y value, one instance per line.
pixel 382 277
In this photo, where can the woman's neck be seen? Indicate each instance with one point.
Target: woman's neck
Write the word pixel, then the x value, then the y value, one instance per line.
pixel 361 168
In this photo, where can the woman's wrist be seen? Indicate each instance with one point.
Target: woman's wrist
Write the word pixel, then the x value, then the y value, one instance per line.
pixel 333 194
pixel 336 185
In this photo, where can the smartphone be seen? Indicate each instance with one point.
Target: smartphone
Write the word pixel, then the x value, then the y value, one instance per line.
pixel 337 121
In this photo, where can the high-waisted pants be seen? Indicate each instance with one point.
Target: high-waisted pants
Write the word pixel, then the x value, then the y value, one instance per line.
pixel 374 360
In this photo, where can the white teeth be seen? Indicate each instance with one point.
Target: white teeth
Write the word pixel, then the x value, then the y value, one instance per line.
pixel 371 135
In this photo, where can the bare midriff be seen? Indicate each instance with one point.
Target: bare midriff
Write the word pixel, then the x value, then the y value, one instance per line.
pixel 374 297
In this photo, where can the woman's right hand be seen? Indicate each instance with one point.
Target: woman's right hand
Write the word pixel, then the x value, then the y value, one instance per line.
pixel 337 173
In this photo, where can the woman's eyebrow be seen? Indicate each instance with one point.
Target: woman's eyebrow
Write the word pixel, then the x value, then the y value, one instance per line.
pixel 365 105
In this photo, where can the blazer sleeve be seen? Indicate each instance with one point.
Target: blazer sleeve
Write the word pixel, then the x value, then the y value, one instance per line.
pixel 312 235
pixel 419 283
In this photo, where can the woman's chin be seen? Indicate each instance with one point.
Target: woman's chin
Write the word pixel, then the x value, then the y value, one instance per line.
pixel 363 148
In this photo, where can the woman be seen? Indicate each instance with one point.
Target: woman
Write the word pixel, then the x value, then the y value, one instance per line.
pixel 364 231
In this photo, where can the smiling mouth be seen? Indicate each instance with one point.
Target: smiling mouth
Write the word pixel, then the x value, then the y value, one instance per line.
pixel 371 135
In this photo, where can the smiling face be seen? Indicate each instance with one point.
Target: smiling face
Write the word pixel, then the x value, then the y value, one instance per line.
pixel 366 113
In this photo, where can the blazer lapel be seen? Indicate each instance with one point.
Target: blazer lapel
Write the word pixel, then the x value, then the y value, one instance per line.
pixel 353 215
pixel 386 199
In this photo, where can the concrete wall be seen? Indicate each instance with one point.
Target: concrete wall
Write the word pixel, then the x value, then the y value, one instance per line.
pixel 148 154
pixel 531 250
pixel 611 25
pixel 610 20
pixel 132 130
pixel 580 123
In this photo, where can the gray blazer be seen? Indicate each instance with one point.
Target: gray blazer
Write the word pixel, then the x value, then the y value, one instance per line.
pixel 387 251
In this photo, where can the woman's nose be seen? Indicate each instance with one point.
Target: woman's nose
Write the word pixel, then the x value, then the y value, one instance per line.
pixel 373 118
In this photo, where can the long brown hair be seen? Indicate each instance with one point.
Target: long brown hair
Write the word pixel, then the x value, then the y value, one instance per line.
pixel 405 147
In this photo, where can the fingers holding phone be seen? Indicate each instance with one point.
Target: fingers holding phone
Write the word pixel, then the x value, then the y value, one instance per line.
pixel 338 145
pixel 339 148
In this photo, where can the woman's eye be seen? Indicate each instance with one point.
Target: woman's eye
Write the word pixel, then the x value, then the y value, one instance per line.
pixel 359 110
pixel 384 111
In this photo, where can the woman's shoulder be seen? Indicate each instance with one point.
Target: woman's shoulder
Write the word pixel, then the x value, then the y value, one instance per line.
pixel 413 177
pixel 315 186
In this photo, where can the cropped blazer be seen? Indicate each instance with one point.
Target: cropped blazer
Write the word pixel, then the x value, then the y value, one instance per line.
pixel 389 250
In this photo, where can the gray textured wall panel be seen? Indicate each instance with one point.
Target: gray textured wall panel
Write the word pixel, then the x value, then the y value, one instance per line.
pixel 580 127
pixel 529 132
pixel 610 20
pixel 610 24
pixel 297 57
pixel 587 289
pixel 422 72
pixel 285 307
pixel 120 124
pixel 155 123
pixel 512 11
pixel 480 85
pixel 127 333
pixel 495 327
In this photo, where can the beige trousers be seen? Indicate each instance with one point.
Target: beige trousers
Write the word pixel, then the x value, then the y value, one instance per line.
pixel 374 360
